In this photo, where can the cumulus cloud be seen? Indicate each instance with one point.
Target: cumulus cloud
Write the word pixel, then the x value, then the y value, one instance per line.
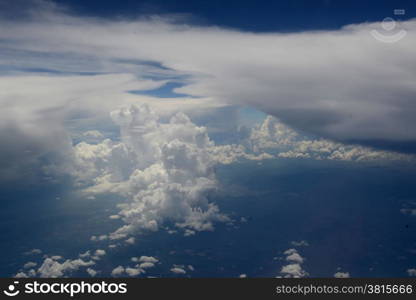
pixel 272 136
pixel 95 134
pixel 408 208
pixel 51 268
pixel 294 268
pixel 56 257
pixel 408 211
pixel 91 272
pixel 133 271
pixel 164 169
pixel 29 265
pixel 143 263
pixel 145 259
pixel 56 266
pixel 293 256
pixel 26 274
pixel 178 270
pixel 33 252
pixel 342 275
pixel 293 271
pixel 146 265
pixel 86 254
pixel 148 259
pixel 102 237
pixel 130 241
pixel 99 252
pixel 299 243
pixel 129 271
pixel 118 271
pixel 21 275
pixel 92 136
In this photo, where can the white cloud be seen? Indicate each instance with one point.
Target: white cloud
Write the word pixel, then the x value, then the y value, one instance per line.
pixel 294 268
pixel 26 274
pixel 293 256
pixel 91 272
pixel 52 269
pixel 90 136
pixel 21 275
pixel 134 271
pixel 93 134
pixel 117 271
pixel 150 259
pixel 33 252
pixel 178 270
pixel 99 252
pixel 146 265
pixel 56 257
pixel 408 211
pixel 85 254
pixel 164 169
pixel 29 265
pixel 411 272
pixel 272 136
pixel 342 275
pixel 102 237
pixel 300 243
pixel 130 271
pixel 130 241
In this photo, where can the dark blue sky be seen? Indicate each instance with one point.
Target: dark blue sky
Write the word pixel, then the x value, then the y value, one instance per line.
pixel 283 15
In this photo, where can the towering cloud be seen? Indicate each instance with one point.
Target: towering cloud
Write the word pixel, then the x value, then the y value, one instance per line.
pixel 164 170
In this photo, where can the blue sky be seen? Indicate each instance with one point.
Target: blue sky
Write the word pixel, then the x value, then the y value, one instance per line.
pixel 284 15
pixel 181 122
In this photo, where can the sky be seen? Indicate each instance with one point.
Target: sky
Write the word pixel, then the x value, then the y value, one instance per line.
pixel 257 16
pixel 147 111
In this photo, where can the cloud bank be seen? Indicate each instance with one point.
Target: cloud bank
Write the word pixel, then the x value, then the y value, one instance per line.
pixel 341 84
